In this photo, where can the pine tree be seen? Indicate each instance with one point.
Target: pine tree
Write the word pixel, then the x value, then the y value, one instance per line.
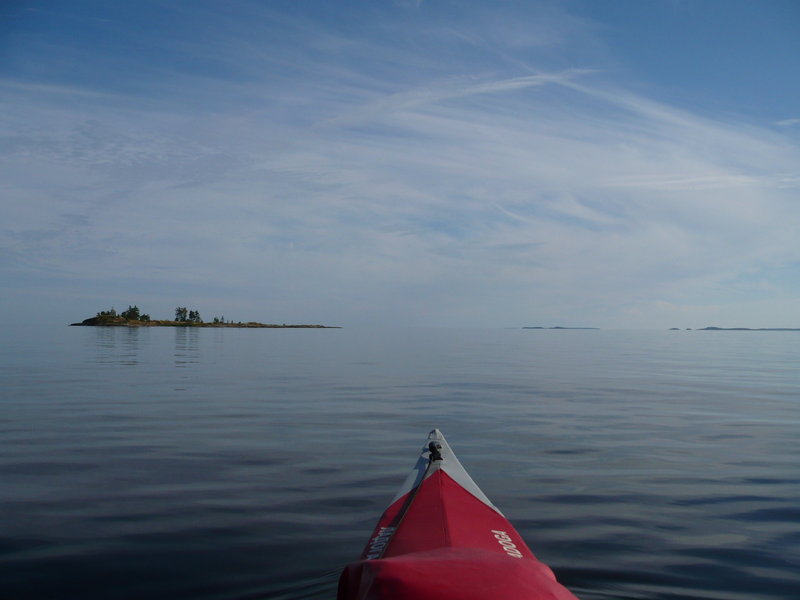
pixel 132 314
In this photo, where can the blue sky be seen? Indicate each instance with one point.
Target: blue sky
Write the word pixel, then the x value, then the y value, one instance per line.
pixel 499 164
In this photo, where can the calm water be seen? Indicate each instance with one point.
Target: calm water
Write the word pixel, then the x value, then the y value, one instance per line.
pixel 243 464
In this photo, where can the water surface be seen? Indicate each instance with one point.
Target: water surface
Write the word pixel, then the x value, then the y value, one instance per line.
pixel 250 463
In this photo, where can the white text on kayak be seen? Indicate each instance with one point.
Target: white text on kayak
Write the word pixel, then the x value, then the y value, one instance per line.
pixel 505 541
pixel 378 543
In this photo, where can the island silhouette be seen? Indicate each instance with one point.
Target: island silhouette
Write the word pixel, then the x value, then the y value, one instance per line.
pixel 184 317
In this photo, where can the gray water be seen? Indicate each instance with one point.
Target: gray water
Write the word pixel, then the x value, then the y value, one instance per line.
pixel 222 464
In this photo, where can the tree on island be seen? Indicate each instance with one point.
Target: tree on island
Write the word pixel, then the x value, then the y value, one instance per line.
pixel 132 314
pixel 184 315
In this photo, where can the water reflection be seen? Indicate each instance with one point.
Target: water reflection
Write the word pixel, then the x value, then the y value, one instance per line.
pixel 187 346
pixel 117 345
pixel 639 465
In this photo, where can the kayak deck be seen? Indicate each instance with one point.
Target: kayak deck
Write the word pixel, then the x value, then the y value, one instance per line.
pixel 441 538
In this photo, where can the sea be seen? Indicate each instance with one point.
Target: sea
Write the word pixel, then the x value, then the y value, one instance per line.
pixel 243 464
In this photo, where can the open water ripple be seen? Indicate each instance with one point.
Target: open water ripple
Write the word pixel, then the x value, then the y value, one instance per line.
pixel 244 464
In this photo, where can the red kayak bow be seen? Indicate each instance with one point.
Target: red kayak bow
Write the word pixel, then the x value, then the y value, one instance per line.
pixel 442 539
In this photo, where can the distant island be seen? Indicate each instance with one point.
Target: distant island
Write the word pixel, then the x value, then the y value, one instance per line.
pixel 133 317
pixel 749 329
pixel 561 328
pixel 738 329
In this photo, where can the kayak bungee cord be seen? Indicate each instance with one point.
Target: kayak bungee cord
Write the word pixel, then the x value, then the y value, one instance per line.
pixel 435 455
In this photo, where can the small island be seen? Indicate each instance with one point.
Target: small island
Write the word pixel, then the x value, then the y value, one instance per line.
pixel 748 329
pixel 561 327
pixel 133 317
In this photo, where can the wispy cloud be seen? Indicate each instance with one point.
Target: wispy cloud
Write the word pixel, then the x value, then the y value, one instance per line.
pixel 333 177
pixel 450 90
